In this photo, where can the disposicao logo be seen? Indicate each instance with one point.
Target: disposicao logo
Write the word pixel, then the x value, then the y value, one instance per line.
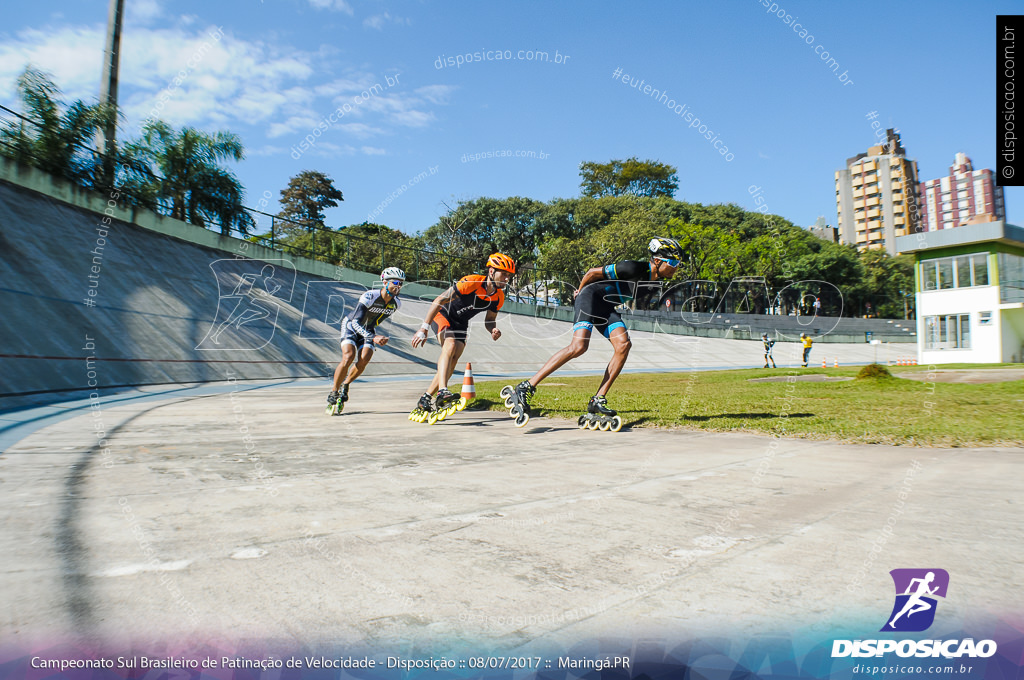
pixel 913 612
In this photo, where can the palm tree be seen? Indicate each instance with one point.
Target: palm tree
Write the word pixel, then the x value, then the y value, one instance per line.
pixel 54 141
pixel 193 187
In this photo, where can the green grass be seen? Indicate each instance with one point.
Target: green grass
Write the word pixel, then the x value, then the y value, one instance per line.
pixel 868 411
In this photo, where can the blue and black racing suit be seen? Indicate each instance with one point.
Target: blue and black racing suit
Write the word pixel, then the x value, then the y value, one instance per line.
pixel 360 326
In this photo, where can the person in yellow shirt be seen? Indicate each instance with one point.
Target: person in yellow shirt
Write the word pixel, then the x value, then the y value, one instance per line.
pixel 806 339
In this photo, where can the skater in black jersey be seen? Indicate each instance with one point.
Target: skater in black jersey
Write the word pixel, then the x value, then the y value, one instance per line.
pixel 449 316
pixel 359 334
pixel 600 292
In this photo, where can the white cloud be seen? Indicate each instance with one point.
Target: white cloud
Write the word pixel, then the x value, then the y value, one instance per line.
pixel 335 5
pixel 436 94
pixel 378 21
pixel 142 12
pixel 202 76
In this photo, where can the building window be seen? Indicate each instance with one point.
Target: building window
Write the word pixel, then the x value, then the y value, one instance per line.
pixel 1011 278
pixel 952 331
pixel 979 264
pixel 963 271
pixel 945 274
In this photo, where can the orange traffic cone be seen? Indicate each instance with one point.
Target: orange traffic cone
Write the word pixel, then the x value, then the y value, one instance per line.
pixel 468 389
pixel 835 363
pixel 913 361
pixel 823 362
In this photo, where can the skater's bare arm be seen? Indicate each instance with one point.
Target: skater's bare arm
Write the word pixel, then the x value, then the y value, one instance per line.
pixel 490 323
pixel 592 275
pixel 420 337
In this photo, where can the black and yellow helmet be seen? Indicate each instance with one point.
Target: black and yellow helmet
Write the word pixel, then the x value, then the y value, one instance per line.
pixel 665 247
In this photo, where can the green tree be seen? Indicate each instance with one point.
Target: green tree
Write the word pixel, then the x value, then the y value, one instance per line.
pixel 707 251
pixel 192 185
pixel 885 282
pixel 477 228
pixel 304 200
pixel 629 177
pixel 58 138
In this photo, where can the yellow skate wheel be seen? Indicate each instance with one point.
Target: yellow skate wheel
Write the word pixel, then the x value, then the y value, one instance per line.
pixel 604 425
pixel 522 419
pixel 592 425
pixel 616 424
pixel 463 403
pixel 581 422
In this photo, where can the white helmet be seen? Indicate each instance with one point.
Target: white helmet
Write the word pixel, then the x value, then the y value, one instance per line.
pixel 392 273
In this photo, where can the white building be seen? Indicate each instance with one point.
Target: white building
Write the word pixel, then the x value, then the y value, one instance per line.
pixel 970 293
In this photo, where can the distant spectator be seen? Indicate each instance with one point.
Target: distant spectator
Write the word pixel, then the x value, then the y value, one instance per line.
pixel 806 340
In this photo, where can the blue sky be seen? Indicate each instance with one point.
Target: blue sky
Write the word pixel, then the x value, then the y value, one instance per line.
pixel 272 71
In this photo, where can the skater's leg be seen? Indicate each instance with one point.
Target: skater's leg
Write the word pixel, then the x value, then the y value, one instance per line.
pixel 360 366
pixel 621 346
pixel 348 355
pixel 451 350
pixel 578 346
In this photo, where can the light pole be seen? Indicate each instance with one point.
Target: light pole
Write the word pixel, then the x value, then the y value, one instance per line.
pixel 107 143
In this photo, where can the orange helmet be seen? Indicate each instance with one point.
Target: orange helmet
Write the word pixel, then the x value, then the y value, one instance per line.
pixel 502 262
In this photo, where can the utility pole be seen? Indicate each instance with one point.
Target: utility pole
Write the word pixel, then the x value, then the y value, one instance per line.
pixel 107 143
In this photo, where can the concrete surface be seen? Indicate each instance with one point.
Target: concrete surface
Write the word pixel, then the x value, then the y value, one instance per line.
pixel 248 513
pixel 963 375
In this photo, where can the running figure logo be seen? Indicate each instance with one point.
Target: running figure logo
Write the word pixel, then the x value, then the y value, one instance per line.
pixel 914 610
pixel 250 296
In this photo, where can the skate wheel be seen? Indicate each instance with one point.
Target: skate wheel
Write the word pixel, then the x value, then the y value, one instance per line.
pixel 506 392
pixel 463 403
pixel 604 425
pixel 581 422
pixel 616 424
pixel 432 418
pixel 508 402
pixel 522 419
pixel 592 425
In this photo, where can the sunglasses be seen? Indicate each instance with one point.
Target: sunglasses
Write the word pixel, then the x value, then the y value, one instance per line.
pixel 396 283
pixel 670 262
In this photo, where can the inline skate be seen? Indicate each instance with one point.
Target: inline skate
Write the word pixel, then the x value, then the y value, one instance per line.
pixel 445 405
pixel 517 400
pixel 424 409
pixel 336 401
pixel 599 416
